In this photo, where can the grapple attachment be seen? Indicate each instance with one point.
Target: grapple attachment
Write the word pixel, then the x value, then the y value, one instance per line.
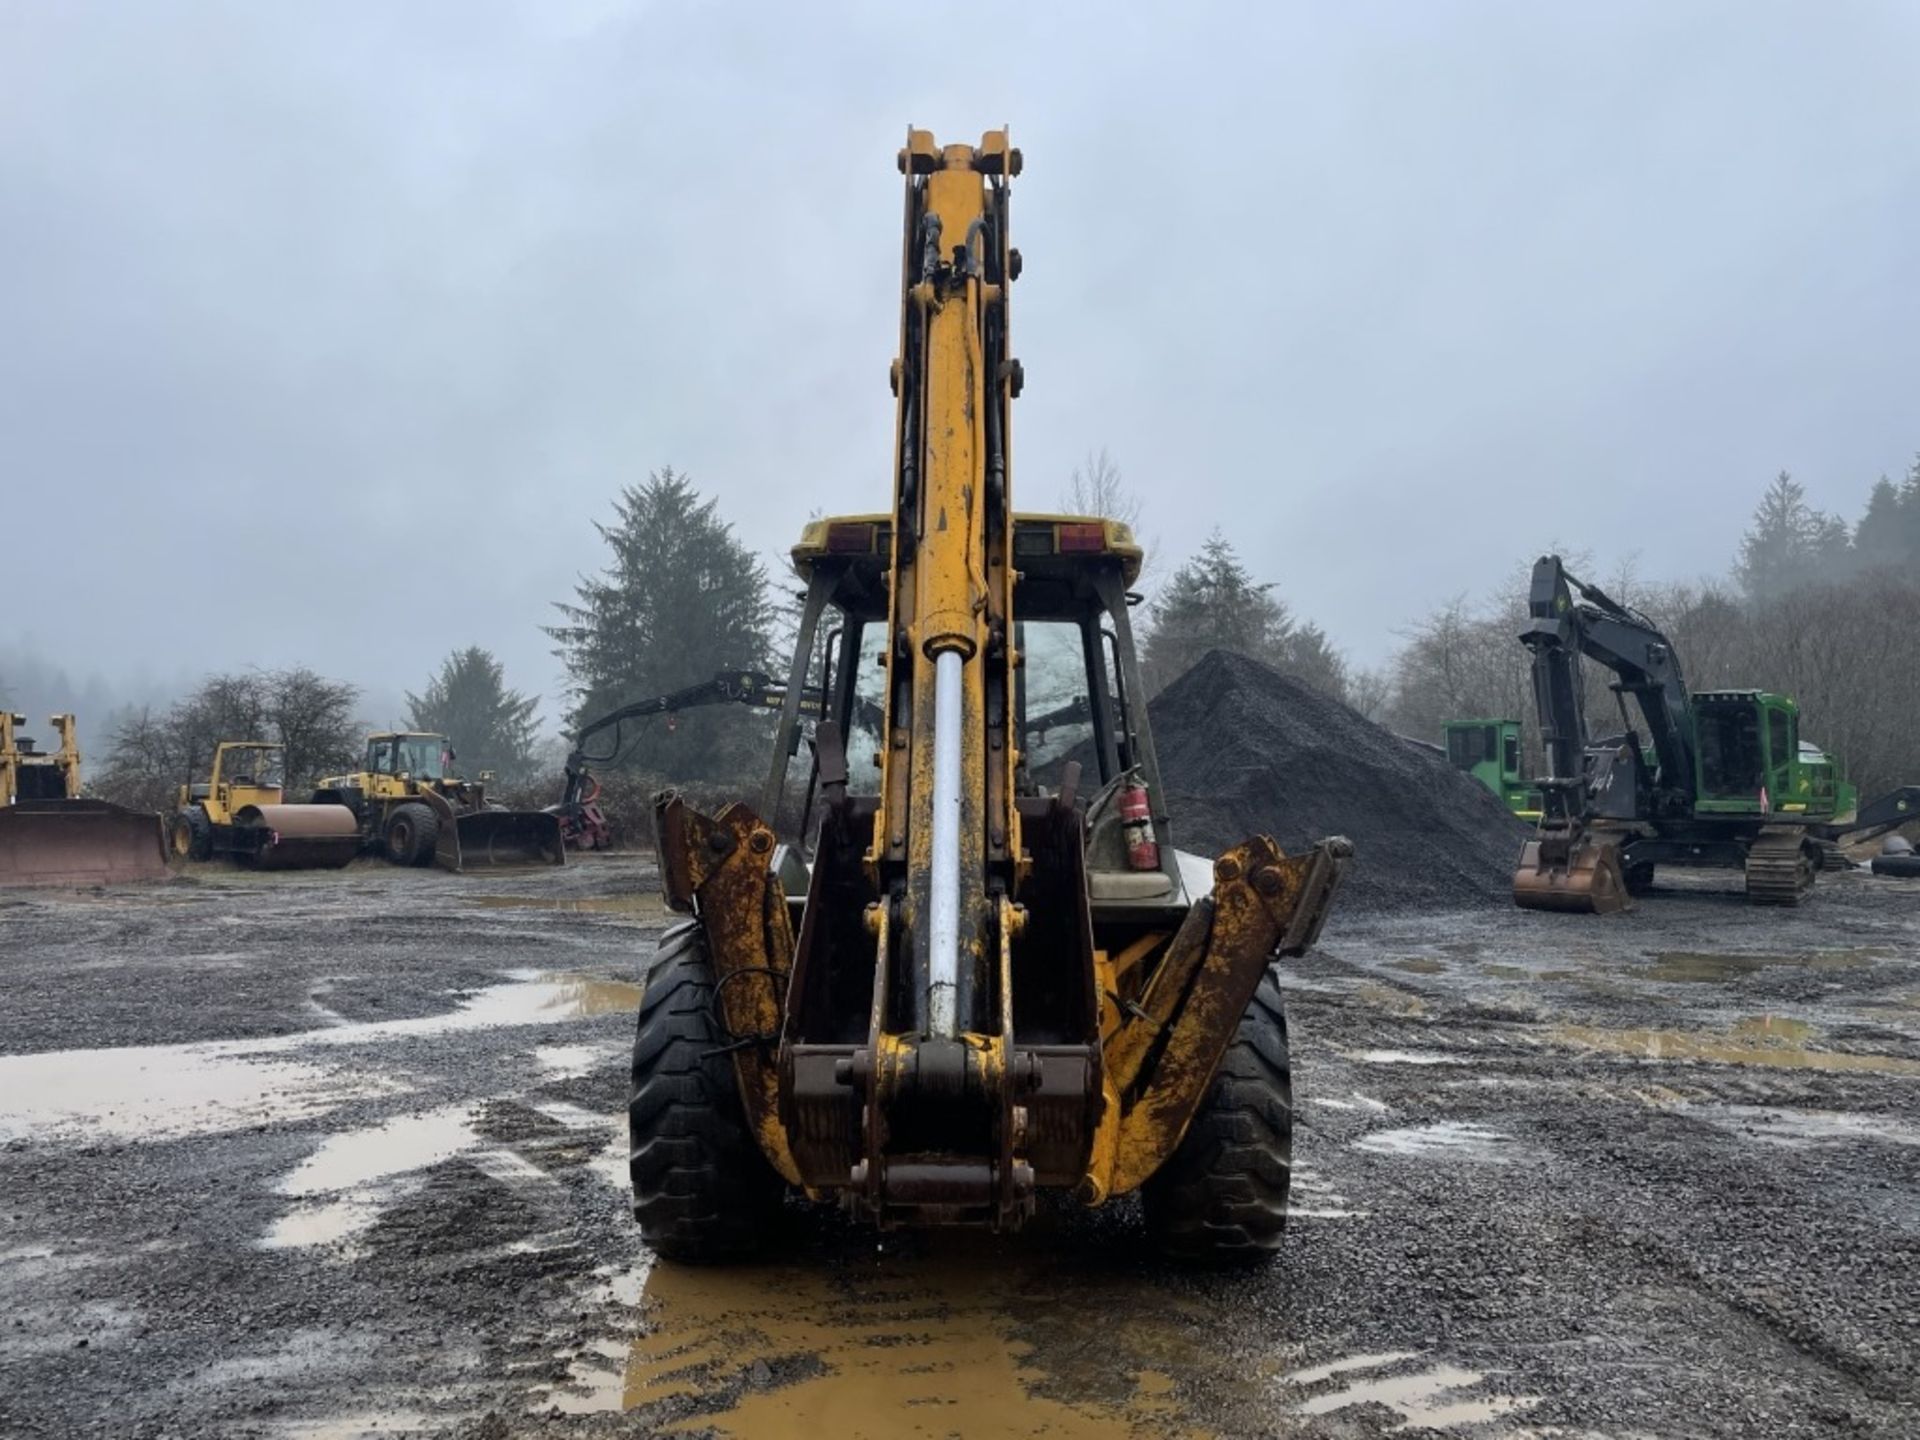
pixel 63 843
pixel 1571 869
pixel 490 839
pixel 295 837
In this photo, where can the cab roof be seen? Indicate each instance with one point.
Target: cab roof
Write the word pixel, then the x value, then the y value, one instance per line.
pixel 1063 540
pixel 1746 697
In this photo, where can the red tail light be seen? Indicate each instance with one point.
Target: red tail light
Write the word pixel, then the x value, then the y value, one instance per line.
pixel 1079 539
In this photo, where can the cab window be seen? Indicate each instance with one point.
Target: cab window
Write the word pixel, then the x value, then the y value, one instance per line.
pixel 1057 718
pixel 1468 745
pixel 424 757
pixel 1730 760
pixel 1779 740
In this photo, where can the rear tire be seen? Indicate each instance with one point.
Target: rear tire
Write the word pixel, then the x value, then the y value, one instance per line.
pixel 1221 1198
pixel 412 833
pixel 190 836
pixel 702 1190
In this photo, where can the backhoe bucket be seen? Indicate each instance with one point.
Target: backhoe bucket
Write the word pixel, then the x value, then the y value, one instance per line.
pixel 1577 873
pixel 297 837
pixel 489 839
pixel 63 843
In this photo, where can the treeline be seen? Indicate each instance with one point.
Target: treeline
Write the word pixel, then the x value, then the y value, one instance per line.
pixel 150 753
pixel 1814 608
pixel 680 597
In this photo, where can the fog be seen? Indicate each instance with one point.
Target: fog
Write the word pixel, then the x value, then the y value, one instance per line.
pixel 327 332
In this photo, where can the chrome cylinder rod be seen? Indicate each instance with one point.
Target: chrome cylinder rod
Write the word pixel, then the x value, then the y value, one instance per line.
pixel 943 920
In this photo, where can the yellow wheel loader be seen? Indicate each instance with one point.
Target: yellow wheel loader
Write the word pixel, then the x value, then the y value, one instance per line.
pixel 973 967
pixel 241 813
pixel 410 806
pixel 51 834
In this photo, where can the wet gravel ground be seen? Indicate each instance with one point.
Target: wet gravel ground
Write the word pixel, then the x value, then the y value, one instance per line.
pixel 332 1155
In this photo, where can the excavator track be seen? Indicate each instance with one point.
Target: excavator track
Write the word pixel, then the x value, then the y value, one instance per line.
pixel 1779 869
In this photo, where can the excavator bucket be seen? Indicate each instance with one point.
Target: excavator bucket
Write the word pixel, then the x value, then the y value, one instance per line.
pixel 1576 873
pixel 63 843
pixel 488 839
pixel 297 837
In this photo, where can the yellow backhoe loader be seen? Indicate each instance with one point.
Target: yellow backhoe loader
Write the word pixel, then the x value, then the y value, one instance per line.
pixel 975 967
pixel 51 834
pixel 411 807
pixel 241 813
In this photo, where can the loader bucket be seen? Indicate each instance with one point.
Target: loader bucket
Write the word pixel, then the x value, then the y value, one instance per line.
pixel 490 839
pixel 1576 874
pixel 297 837
pixel 61 843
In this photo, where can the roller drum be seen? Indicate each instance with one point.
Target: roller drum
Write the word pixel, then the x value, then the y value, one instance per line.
pixel 298 837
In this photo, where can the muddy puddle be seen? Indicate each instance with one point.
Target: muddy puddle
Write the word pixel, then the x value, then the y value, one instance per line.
pixel 1803 1129
pixel 1424 1397
pixel 354 1176
pixel 166 1092
pixel 1410 1057
pixel 1764 1040
pixel 1390 999
pixel 1701 967
pixel 157 1092
pixel 1448 1140
pixel 928 1346
pixel 643 904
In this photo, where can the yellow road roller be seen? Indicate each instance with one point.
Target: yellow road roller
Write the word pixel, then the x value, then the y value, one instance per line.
pixel 240 812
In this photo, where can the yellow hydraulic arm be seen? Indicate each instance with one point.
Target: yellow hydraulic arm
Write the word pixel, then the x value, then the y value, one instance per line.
pixel 947 822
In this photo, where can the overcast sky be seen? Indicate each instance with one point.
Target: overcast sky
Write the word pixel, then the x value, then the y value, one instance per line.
pixel 326 331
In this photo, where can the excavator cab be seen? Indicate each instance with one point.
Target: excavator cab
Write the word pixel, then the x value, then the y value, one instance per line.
pixel 1749 744
pixel 1489 751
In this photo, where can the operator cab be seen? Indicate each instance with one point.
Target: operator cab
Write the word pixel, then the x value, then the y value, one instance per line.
pixel 1749 743
pixel 1078 695
pixel 262 767
pixel 416 754
pixel 1489 751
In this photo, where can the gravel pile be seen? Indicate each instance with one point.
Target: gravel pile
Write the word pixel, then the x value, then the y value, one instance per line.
pixel 1244 750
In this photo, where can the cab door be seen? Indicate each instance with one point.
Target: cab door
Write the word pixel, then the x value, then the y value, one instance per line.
pixel 1783 746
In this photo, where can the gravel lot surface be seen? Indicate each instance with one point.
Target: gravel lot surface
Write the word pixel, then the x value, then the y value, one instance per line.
pixel 337 1154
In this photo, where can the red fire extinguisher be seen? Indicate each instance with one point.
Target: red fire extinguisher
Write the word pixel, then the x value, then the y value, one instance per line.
pixel 1136 824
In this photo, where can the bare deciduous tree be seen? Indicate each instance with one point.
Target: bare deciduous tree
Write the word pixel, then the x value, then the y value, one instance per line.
pixel 150 755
